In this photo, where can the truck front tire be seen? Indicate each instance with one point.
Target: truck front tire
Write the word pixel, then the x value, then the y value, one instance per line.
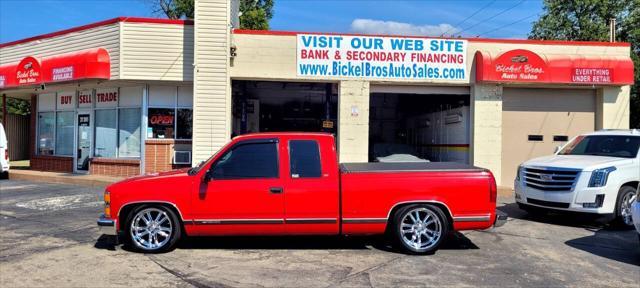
pixel 419 228
pixel 152 229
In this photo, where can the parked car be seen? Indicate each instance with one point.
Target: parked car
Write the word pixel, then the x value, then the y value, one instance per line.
pixel 635 211
pixel 4 153
pixel 391 152
pixel 594 173
pixel 292 184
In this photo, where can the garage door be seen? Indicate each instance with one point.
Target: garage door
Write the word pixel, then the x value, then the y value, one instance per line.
pixel 535 121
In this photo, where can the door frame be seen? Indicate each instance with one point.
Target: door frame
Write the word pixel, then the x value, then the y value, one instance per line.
pixel 76 138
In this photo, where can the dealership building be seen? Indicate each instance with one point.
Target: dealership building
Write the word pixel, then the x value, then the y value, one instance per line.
pixel 128 96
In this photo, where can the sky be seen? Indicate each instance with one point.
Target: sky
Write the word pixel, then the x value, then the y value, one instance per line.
pixel 468 18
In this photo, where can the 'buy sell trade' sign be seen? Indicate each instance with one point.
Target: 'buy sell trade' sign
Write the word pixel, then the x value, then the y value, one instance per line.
pixel 381 57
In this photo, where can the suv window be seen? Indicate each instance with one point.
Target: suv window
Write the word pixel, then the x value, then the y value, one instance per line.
pixel 304 159
pixel 247 161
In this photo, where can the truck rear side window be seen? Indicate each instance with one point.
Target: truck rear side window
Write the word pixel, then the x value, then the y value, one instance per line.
pixel 304 159
pixel 247 161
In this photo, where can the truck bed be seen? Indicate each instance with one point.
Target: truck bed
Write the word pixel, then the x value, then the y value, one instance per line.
pixel 407 167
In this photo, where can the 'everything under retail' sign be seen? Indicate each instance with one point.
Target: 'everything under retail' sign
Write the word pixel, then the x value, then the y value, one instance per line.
pixel 381 57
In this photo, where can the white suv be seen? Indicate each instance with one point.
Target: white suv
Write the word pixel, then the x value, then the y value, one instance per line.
pixel 595 173
pixel 4 153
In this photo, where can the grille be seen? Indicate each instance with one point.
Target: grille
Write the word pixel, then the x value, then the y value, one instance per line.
pixel 550 179
pixel 548 203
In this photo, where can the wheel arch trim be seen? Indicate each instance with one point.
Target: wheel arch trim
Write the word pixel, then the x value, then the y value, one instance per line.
pixel 151 202
pixel 448 212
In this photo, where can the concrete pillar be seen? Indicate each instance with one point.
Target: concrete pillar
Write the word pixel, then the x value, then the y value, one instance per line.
pixel 612 107
pixel 353 121
pixel 486 128
pixel 211 91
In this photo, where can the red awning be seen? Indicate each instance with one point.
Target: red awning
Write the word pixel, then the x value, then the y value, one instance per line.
pixel 524 66
pixel 86 64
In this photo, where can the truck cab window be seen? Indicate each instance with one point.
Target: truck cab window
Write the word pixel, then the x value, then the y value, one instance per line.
pixel 247 161
pixel 304 158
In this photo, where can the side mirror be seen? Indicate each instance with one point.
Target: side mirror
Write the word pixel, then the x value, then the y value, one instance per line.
pixel 558 148
pixel 207 177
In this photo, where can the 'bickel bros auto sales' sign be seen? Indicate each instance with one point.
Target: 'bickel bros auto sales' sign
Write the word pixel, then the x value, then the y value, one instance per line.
pixel 375 57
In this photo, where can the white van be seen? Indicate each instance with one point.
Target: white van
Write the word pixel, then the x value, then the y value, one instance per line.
pixel 4 153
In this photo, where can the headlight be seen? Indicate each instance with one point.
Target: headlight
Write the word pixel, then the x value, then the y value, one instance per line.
pixel 599 177
pixel 518 173
pixel 107 204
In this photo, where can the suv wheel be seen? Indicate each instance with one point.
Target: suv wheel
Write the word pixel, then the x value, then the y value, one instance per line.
pixel 623 207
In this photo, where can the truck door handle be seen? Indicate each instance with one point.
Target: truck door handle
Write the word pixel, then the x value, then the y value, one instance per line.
pixel 276 190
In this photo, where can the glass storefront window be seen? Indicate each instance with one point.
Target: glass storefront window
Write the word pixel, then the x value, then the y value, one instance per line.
pixel 106 136
pixel 64 133
pixel 161 123
pixel 129 134
pixel 46 128
pixel 184 124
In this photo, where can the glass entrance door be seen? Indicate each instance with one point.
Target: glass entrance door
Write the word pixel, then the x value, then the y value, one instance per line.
pixel 85 138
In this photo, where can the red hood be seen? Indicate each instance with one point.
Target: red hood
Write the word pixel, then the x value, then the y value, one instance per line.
pixel 152 176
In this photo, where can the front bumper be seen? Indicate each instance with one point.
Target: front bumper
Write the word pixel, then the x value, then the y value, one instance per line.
pixel 570 201
pixel 107 226
pixel 501 218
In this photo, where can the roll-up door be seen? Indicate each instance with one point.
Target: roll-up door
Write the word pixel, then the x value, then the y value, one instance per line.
pixel 535 121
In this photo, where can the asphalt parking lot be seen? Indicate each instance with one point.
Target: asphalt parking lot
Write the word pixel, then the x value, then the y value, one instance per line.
pixel 49 238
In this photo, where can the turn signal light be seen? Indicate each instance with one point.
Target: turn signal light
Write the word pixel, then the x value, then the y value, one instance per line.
pixel 107 204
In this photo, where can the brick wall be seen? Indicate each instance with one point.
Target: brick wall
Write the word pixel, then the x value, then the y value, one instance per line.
pixel 52 163
pixel 114 167
pixel 159 154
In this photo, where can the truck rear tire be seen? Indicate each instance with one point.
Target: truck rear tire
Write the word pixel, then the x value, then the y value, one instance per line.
pixel 419 228
pixel 152 229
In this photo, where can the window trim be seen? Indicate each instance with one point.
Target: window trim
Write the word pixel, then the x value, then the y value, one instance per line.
pixel 93 108
pixel 175 108
pixel 290 158
pixel 243 143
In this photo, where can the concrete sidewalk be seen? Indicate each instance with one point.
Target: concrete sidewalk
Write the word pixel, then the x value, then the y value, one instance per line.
pixel 63 178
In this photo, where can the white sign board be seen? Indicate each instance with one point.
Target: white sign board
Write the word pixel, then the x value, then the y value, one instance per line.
pixel 107 97
pixel 85 98
pixel 66 100
pixel 372 57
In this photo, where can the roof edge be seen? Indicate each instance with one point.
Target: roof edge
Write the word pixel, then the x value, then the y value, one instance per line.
pixel 98 24
pixel 484 40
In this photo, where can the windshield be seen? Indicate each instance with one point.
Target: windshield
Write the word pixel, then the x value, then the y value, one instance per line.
pixel 603 145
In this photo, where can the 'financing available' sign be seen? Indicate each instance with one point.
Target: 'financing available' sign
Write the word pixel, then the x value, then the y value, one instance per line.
pixel 373 57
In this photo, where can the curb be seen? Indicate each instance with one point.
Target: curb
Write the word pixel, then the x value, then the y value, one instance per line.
pixel 62 178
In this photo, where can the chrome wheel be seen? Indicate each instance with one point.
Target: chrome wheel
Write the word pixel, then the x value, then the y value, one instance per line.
pixel 421 228
pixel 625 208
pixel 151 229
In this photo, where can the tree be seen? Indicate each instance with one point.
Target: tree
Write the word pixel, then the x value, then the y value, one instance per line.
pixel 588 20
pixel 255 13
pixel 173 9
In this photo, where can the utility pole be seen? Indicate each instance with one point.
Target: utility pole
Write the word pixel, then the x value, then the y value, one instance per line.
pixel 612 29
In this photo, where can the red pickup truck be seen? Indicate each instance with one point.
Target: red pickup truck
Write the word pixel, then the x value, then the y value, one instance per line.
pixel 292 184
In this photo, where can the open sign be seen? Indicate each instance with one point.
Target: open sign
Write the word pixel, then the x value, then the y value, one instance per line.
pixel 161 120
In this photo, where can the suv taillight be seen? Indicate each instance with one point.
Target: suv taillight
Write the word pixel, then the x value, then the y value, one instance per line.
pixel 6 154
